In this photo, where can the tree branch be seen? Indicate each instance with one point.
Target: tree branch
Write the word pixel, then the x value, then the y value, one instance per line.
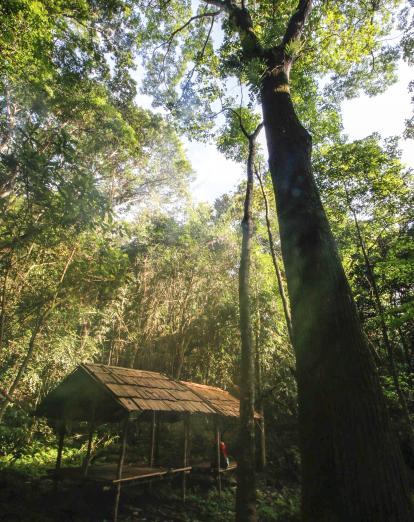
pixel 195 17
pixel 297 22
pixel 242 21
pixel 226 5
pixel 168 43
pixel 200 57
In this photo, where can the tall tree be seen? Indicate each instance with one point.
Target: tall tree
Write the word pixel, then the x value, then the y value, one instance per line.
pixel 246 482
pixel 347 446
pixel 341 467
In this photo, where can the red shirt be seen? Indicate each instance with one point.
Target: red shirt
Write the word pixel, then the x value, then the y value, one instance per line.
pixel 223 449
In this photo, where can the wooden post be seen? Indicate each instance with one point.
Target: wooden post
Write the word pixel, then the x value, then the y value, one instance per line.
pixel 61 439
pixel 87 460
pixel 120 466
pixel 91 428
pixel 152 448
pixel 185 453
pixel 218 455
pixel 157 440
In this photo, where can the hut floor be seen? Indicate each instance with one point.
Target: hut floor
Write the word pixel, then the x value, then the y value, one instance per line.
pixel 206 467
pixel 108 473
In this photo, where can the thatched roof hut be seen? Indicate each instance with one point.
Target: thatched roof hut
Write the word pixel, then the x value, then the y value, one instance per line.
pixel 98 393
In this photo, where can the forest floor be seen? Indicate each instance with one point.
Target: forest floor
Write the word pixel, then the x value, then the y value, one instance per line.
pixel 27 499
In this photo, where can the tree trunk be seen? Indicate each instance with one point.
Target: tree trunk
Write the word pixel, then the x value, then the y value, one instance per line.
pixel 259 399
pixel 246 480
pixel 351 466
pixel 3 302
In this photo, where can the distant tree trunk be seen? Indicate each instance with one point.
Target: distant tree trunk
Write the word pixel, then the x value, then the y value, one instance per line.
pixel 259 398
pixel 178 360
pixel 281 288
pixel 3 301
pixel 246 480
pixel 352 469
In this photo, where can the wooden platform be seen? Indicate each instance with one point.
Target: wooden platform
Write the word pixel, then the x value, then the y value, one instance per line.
pixel 206 467
pixel 107 473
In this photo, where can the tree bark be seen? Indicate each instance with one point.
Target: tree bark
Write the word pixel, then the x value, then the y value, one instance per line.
pixel 351 465
pixel 61 439
pixel 246 480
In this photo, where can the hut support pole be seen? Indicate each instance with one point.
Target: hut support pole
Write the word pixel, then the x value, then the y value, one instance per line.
pixel 87 460
pixel 218 455
pixel 185 454
pixel 61 439
pixel 153 432
pixel 152 447
pixel 157 440
pixel 120 467
pixel 91 429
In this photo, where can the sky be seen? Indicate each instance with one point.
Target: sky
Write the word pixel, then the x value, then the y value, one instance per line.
pixel 385 114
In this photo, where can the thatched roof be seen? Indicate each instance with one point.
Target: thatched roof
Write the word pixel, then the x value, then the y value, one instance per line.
pixel 220 400
pixel 105 393
pixel 139 390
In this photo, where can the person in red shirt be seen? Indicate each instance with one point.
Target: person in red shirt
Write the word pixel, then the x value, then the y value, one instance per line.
pixel 224 457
